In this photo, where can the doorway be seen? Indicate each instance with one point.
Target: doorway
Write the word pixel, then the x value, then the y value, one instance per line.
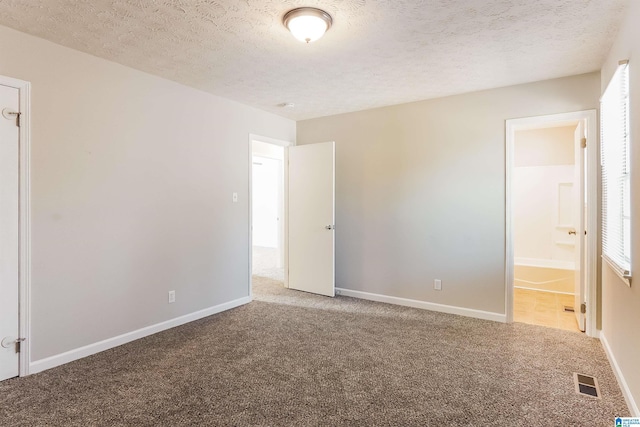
pixel 551 208
pixel 14 227
pixel 267 210
pixel 291 216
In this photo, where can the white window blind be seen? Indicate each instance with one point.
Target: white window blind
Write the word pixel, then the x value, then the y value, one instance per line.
pixel 614 142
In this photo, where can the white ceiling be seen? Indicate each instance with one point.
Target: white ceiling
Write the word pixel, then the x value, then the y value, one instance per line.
pixel 378 52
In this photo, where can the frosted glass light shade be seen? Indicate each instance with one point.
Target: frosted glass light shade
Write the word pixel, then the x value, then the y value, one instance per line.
pixel 307 24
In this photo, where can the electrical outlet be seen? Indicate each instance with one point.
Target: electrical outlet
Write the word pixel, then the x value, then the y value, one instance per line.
pixel 437 285
pixel 235 197
pixel 172 297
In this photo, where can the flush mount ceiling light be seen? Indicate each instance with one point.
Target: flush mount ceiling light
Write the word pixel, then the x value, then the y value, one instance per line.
pixel 307 24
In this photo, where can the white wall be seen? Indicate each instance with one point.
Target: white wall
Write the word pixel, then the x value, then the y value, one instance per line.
pixel 545 146
pixel 537 235
pixel 420 190
pixel 543 199
pixel 267 199
pixel 263 149
pixel 132 181
pixel 620 303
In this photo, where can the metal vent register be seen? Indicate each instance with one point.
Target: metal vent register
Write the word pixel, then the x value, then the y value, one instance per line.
pixel 586 385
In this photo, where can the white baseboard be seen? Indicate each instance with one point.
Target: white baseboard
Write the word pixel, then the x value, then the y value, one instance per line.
pixel 628 397
pixel 468 312
pixel 88 350
pixel 544 263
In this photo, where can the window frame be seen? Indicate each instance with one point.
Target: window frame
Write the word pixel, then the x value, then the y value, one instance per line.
pixel 615 163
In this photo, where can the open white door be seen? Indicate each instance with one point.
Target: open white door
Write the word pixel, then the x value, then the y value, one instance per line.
pixel 311 218
pixel 9 357
pixel 579 214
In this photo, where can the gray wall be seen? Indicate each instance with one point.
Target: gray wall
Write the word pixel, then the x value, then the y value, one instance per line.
pixel 132 181
pixel 420 190
pixel 620 303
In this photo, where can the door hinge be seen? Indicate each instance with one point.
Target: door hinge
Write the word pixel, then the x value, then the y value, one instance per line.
pixel 583 142
pixel 19 342
pixel 583 308
pixel 10 114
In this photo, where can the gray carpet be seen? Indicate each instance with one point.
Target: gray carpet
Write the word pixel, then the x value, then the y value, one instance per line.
pixel 294 359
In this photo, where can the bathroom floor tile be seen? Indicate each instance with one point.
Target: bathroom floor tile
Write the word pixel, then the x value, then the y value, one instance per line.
pixel 544 309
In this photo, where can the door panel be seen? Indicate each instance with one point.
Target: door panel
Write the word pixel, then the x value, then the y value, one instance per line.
pixel 311 218
pixel 8 234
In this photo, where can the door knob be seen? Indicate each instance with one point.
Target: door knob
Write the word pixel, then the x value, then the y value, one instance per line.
pixel 572 232
pixel 330 227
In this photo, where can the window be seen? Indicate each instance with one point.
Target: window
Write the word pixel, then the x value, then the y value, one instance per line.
pixel 614 142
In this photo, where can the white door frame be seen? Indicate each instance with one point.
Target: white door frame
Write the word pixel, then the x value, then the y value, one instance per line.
pixel 591 181
pixel 285 222
pixel 24 219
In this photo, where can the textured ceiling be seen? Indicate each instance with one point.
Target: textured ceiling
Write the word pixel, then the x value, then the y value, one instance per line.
pixel 377 53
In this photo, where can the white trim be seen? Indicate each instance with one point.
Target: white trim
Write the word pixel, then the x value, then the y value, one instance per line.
pixel 624 387
pixel 509 251
pixel 269 140
pixel 24 218
pixel 88 350
pixel 285 195
pixel 285 214
pixel 333 220
pixel 624 275
pixel 461 311
pixel 592 177
pixel 544 263
pixel 591 181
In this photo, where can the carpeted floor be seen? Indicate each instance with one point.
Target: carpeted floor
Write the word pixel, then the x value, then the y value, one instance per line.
pixel 264 263
pixel 295 359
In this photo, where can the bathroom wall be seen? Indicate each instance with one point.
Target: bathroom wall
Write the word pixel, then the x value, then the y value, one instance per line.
pixel 544 202
pixel 544 207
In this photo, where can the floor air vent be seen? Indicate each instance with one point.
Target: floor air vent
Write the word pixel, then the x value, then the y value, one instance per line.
pixel 586 385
